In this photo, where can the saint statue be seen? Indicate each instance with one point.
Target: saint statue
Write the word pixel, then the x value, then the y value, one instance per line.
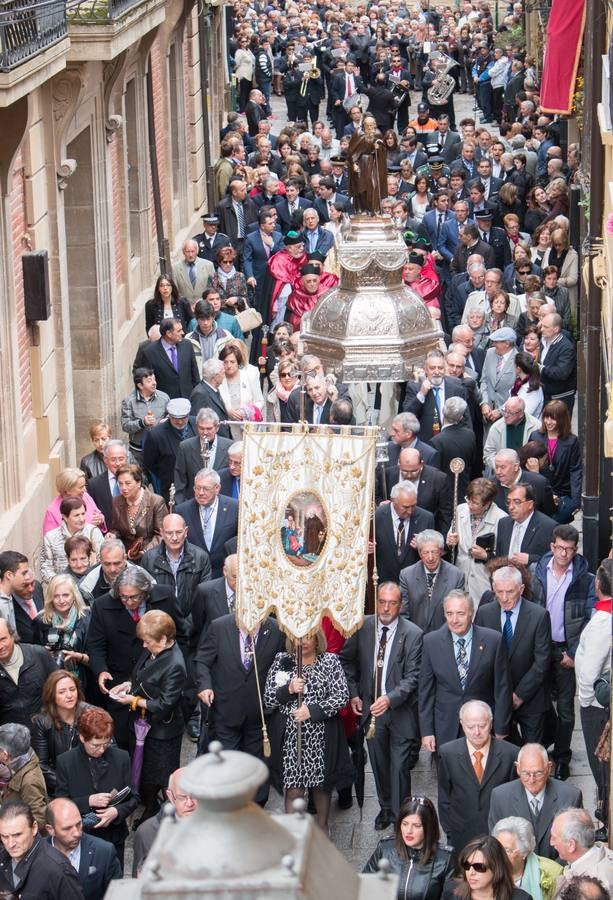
pixel 367 168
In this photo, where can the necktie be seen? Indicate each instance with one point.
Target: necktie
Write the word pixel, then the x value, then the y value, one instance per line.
pixel 240 218
pixel 430 578
pixel 400 540
pixel 461 661
pixel 437 404
pixel 206 513
pixel 31 607
pixel 507 631
pixel 247 652
pixel 380 661
pixel 484 237
pixel 318 411
pixel 235 488
pixel 173 358
pixel 478 765
pixel 192 274
pixel 535 807
pixel 439 225
pixel 231 600
pixel 115 491
pixel 499 364
pixel 135 615
pixel 515 545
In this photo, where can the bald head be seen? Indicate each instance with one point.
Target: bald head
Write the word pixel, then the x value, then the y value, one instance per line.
pixel 174 532
pixel 410 464
pixel 183 803
pixel 64 825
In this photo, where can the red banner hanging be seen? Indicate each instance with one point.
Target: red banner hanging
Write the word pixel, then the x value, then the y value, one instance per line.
pixel 563 49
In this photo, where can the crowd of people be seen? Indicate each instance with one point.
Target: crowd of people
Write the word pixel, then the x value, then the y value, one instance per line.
pixel 120 640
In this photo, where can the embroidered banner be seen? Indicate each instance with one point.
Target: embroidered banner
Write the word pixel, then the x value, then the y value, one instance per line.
pixel 305 510
pixel 563 48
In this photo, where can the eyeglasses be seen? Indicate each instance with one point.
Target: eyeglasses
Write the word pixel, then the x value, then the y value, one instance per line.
pixel 540 773
pixel 100 745
pixel 477 866
pixel 564 549
pixel 516 502
pixel 524 271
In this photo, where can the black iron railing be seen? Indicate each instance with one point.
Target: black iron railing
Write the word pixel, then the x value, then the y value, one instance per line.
pixel 28 27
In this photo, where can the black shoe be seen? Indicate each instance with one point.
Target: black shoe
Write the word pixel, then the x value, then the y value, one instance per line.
pixel 602 834
pixel 562 771
pixel 345 798
pixel 192 729
pixel 383 820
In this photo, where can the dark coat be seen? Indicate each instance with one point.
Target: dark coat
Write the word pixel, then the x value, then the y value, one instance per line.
pixel 20 702
pixel 194 569
pixel 432 493
pixel 322 206
pixel 226 484
pixel 99 490
pixel 426 880
pixel 440 691
pixel 227 217
pixel 510 800
pixel 210 602
pixel 401 677
pixel 463 802
pixel 28 629
pixel 44 874
pixel 460 257
pixel 450 147
pixel 255 114
pixel 204 396
pixel 529 654
pixel 219 667
pixel 208 252
pixel 226 527
pixel 189 463
pixel 98 866
pixel 161 681
pixel 112 644
pixel 389 564
pixel 288 221
pixel 499 244
pixel 255 258
pixel 382 106
pixel 429 456
pixel 543 495
pixel 413 587
pixel 456 440
pixel 425 411
pixel 49 742
pixel 172 382
pixel 536 539
pixel 559 369
pixel 160 453
pixel 75 780
pixel 565 472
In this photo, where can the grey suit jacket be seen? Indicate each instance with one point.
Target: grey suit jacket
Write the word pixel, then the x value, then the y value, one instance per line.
pixel 180 273
pixel 414 590
pixel 358 660
pixel 495 386
pixel 511 800
pixel 189 463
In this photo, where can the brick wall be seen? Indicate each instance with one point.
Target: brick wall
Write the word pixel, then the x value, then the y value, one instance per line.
pixel 19 229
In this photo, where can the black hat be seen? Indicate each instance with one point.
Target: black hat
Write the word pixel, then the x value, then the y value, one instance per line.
pixel 423 107
pixel 338 160
pixel 437 162
pixel 318 255
pixel 483 214
pixel 292 237
pixel 310 269
pixel 393 170
pixel 417 259
pixel 210 219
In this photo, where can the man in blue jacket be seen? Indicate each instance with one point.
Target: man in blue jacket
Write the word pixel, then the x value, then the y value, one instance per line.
pixel 563 584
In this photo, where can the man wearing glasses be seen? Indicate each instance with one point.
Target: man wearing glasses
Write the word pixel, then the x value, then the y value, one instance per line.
pixel 525 534
pixel 535 796
pixel 184 805
pixel 563 584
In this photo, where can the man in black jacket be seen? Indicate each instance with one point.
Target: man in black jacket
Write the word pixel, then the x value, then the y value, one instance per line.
pixel 172 360
pixel 24 669
pixel 382 103
pixel 206 394
pixel 205 451
pixel 525 534
pixel 28 864
pixel 104 487
pixel 396 526
pixel 426 398
pixel 509 474
pixel 557 362
pixel 112 644
pixel 162 444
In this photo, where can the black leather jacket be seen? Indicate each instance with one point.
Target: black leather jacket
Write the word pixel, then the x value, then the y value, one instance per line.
pixel 417 881
pixel 49 742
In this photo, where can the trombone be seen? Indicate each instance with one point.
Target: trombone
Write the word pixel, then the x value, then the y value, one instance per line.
pixel 313 72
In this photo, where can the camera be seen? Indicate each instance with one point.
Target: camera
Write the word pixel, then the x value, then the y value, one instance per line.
pixel 57 644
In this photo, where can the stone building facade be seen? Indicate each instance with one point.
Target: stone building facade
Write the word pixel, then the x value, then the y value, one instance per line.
pixel 87 90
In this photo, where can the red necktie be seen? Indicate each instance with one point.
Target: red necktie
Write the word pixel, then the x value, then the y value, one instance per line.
pixel 135 615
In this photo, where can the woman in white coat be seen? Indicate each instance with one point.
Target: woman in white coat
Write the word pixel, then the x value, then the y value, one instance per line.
pixel 244 64
pixel 478 517
pixel 240 390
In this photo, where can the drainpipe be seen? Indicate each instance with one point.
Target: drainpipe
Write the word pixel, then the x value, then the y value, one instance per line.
pixel 204 24
pixel 163 256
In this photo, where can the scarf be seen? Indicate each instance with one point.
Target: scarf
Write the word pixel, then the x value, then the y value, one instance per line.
pixel 282 393
pixel 68 627
pixel 513 237
pixel 531 879
pixel 224 277
pixel 603 605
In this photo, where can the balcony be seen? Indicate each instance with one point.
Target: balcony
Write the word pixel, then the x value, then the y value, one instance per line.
pixel 102 29
pixel 33 45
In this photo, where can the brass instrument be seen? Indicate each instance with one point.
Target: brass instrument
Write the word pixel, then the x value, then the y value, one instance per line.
pixel 442 87
pixel 360 100
pixel 456 467
pixel 313 72
pixel 205 452
pixel 171 498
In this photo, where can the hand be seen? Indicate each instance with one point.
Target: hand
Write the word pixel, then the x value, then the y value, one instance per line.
pixel 517 701
pixel 428 742
pixel 235 414
pixel 357 706
pixel 453 539
pixel 522 558
pixel 124 699
pixel 103 677
pixel 98 519
pixel 252 282
pixel 434 312
pixel 262 360
pixel 532 465
pixel 99 801
pixel 486 412
pixel 413 543
pixel 232 301
pixel 302 714
pixel 356 168
pixel 437 255
pixel 495 414
pixel 296 686
pixel 207 697
pixel 478 553
pixel 566 662
pixel 426 386
pixel 337 102
pixel 149 419
pixel 380 706
pixel 106 817
pixel 73 656
pixel 371 547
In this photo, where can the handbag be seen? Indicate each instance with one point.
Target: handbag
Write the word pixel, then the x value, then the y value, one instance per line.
pixel 603 748
pixel 249 319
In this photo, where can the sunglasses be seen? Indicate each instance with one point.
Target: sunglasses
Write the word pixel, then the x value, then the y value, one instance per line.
pixel 477 866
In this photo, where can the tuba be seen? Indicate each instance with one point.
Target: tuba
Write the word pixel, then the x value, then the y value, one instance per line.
pixel 444 83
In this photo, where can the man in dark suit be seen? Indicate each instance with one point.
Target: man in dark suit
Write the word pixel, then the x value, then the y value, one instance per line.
pixel 492 185
pixel 317 403
pixel 456 440
pixel 211 239
pixel 435 218
pixel 339 174
pixel 205 451
pixel 461 662
pixel 17 582
pixel 558 362
pixel 526 630
pixel 396 526
pixel 425 584
pixel 21 690
pixel 212 520
pixel 230 476
pixel 469 244
pixel 449 235
pixel 206 394
pixel 495 237
pixel 315 237
pixel 404 432
pixel 382 103
pixel 448 142
pixel 98 863
pixel 326 197
pixel 509 474
pixel 525 534
pixel 112 644
pixel 236 212
pixel 162 444
pixel 381 662
pixel 475 357
pixel 172 360
pixel 226 678
pixel 469 770
pixel 215 598
pixel 290 208
pixel 535 796
pixel 343 84
pixel 426 399
pixel 104 487
pixel 256 255
pixel 431 487
pixel 255 111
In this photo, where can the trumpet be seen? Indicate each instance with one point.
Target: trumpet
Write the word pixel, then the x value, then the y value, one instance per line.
pixel 313 72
